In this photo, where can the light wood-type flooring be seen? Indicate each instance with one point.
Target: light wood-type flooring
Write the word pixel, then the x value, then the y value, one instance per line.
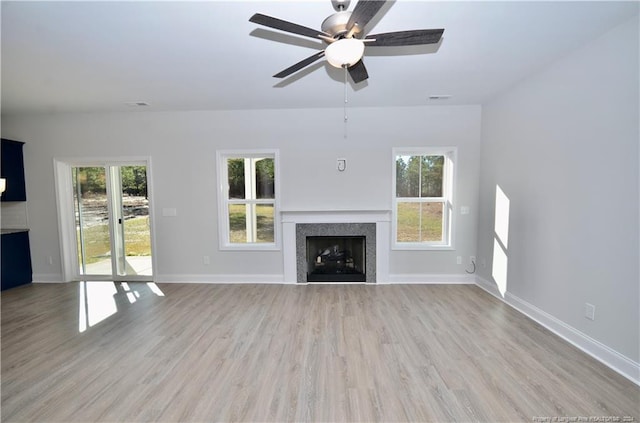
pixel 291 353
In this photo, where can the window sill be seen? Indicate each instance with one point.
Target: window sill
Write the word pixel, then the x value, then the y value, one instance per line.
pixel 250 247
pixel 418 247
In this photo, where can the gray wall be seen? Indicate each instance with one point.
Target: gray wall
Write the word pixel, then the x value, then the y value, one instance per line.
pixel 183 145
pixel 563 146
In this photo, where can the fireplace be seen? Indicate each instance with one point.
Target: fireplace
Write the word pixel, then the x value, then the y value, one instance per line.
pixel 336 252
pixel 374 225
pixel 336 259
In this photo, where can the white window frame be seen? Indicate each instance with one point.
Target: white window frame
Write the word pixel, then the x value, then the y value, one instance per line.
pixel 448 198
pixel 222 156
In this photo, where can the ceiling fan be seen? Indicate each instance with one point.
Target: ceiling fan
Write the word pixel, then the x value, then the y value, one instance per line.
pixel 343 32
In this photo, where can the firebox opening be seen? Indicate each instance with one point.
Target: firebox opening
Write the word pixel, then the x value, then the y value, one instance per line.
pixel 336 259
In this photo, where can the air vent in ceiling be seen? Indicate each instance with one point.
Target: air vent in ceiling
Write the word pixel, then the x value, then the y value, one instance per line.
pixel 137 104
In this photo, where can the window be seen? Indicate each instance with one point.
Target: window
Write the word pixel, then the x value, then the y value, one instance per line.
pixel 423 198
pixel 248 199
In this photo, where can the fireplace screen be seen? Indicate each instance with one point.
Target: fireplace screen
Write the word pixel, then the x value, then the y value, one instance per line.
pixel 336 259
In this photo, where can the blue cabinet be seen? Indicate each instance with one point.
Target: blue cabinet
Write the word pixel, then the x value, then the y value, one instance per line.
pixel 12 169
pixel 16 260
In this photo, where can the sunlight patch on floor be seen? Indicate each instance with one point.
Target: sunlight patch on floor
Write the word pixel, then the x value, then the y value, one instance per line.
pixel 98 300
pixel 97 303
pixel 155 289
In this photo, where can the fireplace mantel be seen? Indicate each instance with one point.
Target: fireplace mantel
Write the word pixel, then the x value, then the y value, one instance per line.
pixel 382 219
pixel 337 216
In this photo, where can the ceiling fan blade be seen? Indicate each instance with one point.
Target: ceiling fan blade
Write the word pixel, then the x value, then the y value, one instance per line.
pixel 286 26
pixel 358 71
pixel 405 38
pixel 364 11
pixel 301 64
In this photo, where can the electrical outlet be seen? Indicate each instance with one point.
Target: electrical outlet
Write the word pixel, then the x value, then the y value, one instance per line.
pixel 49 260
pixel 206 260
pixel 589 311
pixel 472 259
pixel 459 259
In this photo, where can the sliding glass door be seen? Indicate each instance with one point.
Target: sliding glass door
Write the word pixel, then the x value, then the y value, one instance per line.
pixel 112 222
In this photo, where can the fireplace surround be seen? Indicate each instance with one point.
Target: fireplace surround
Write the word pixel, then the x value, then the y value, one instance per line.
pixel 377 232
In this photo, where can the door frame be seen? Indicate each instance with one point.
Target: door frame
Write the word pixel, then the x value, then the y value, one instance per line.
pixel 66 222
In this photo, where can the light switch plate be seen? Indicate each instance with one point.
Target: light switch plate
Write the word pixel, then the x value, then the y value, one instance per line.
pixel 169 212
pixel 589 311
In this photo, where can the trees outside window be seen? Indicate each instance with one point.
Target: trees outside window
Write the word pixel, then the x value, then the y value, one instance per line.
pixel 134 180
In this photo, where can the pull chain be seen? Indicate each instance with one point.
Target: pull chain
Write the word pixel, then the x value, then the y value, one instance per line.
pixel 345 101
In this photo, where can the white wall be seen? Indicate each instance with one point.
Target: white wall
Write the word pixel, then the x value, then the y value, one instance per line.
pixel 563 146
pixel 182 148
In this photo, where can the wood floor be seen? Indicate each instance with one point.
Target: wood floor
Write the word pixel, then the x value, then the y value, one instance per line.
pixel 291 353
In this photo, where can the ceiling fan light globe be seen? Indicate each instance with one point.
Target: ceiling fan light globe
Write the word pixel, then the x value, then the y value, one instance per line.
pixel 344 52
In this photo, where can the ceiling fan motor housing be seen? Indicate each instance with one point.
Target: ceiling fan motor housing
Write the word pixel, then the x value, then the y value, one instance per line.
pixel 336 24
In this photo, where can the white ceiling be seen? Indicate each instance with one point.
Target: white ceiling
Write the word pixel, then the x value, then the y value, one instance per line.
pixel 96 56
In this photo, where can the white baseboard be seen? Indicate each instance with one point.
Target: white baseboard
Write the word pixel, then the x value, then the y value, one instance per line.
pixel 606 355
pixel 219 279
pixel 429 279
pixel 57 278
pixel 47 278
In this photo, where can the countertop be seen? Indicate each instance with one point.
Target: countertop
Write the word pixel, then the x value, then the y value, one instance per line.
pixel 12 231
